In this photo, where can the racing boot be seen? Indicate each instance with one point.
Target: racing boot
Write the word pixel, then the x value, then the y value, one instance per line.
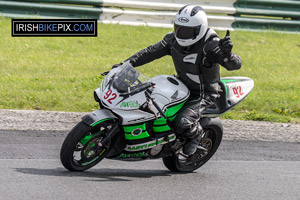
pixel 193 139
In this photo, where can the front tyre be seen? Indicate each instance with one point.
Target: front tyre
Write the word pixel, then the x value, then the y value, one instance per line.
pixel 210 141
pixel 81 150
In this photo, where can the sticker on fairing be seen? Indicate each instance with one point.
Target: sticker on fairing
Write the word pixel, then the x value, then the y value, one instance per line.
pixel 130 104
pixel 237 91
pixel 110 96
pixel 149 145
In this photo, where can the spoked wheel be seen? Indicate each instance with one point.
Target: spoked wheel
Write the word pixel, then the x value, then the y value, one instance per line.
pixel 82 148
pixel 208 146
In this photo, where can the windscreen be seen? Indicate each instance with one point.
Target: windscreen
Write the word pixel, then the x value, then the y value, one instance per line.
pixel 127 79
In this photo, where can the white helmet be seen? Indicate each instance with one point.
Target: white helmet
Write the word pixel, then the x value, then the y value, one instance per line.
pixel 190 25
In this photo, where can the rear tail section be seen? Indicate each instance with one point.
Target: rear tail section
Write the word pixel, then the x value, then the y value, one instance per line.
pixel 233 91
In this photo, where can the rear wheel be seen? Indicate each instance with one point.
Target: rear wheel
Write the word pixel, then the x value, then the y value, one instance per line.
pixel 209 142
pixel 82 148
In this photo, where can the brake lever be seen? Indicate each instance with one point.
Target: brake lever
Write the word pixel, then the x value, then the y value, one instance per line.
pixel 104 73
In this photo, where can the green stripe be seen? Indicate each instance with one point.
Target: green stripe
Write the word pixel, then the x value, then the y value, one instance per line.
pixel 103 120
pixel 86 138
pixel 163 121
pixel 172 118
pixel 225 81
pixel 228 80
pixel 173 110
pixel 159 129
pixel 143 135
pixel 129 129
pixel 160 121
pixel 171 113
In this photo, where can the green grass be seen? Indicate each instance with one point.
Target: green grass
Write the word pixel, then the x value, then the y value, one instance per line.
pixel 61 73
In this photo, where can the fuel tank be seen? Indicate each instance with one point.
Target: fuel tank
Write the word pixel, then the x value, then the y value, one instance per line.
pixel 169 90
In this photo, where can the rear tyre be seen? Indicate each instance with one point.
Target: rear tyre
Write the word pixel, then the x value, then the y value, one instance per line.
pixel 80 150
pixel 210 141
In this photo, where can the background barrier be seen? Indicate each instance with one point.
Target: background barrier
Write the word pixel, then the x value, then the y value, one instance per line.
pixel 283 15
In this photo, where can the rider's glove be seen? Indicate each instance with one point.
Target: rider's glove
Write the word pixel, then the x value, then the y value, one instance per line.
pixel 226 45
pixel 221 53
pixel 214 56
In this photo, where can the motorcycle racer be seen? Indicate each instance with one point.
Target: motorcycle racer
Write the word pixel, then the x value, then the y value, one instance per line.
pixel 197 51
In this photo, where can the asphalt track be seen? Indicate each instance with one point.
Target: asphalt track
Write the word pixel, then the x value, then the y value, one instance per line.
pixel 241 169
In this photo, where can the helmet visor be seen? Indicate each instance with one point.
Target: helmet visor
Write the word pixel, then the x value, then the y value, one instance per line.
pixel 186 32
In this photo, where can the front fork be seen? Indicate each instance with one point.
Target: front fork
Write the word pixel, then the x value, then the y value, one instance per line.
pixel 112 132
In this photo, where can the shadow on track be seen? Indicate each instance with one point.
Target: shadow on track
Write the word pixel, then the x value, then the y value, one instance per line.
pixel 105 174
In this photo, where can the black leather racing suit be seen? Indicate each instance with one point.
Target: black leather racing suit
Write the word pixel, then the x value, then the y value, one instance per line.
pixel 194 71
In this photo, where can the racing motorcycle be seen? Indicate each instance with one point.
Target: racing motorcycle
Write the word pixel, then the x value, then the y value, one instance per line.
pixel 134 121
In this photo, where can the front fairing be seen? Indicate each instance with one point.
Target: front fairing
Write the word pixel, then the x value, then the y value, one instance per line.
pixel 119 81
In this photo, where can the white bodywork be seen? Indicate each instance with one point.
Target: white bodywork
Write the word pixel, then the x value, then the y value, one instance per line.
pixel 164 92
pixel 167 91
pixel 238 88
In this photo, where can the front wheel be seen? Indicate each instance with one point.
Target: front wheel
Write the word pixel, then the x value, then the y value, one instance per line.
pixel 82 147
pixel 213 132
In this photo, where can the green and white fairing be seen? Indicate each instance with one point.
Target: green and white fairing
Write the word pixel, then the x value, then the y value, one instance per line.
pixel 232 91
pixel 237 88
pixel 122 92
